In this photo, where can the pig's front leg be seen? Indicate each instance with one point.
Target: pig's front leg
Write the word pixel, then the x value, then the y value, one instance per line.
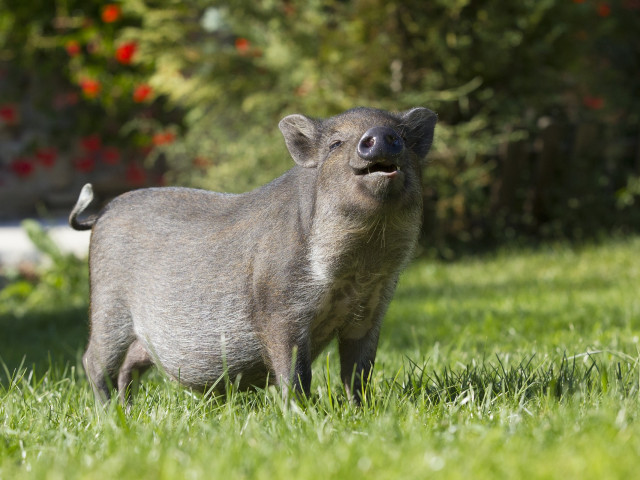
pixel 291 364
pixel 357 356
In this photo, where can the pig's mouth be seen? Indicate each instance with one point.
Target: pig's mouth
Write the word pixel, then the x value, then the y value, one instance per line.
pixel 379 168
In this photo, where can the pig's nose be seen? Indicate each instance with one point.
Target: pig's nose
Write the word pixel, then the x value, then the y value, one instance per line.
pixel 380 142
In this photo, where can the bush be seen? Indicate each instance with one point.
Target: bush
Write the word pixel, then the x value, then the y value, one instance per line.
pixel 62 281
pixel 76 96
pixel 538 100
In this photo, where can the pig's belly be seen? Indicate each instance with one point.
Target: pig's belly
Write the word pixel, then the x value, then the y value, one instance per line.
pixel 199 354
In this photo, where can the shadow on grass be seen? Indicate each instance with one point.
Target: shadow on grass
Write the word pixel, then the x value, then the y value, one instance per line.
pixel 487 287
pixel 39 339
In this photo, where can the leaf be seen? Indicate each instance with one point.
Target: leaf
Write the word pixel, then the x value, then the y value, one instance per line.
pixel 42 241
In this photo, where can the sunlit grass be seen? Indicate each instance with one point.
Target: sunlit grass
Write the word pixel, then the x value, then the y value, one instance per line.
pixel 523 364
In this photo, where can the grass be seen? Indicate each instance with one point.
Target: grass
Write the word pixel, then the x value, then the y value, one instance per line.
pixel 522 364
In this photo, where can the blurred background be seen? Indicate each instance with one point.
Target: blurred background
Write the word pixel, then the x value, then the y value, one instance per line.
pixel 538 100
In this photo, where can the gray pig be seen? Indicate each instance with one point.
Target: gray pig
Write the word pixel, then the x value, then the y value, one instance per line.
pixel 255 285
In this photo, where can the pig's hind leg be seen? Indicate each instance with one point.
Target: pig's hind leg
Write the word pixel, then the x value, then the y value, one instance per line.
pixel 101 366
pixel 136 362
pixel 110 338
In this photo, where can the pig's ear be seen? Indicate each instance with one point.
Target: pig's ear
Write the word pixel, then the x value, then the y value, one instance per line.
pixel 417 128
pixel 301 136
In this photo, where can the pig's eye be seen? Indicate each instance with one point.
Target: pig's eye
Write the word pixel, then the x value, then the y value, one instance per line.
pixel 335 144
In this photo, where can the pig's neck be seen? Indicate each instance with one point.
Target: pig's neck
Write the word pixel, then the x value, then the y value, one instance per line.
pixel 341 245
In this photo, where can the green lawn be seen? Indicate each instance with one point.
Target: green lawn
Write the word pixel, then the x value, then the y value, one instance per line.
pixel 522 364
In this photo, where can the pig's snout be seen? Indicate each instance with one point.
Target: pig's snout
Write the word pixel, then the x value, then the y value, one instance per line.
pixel 380 143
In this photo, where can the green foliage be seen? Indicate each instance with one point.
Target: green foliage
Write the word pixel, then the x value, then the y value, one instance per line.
pixel 223 73
pixel 496 74
pixel 60 282
pixel 74 86
pixel 525 365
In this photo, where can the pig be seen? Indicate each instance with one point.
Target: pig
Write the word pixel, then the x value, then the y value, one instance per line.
pixel 254 286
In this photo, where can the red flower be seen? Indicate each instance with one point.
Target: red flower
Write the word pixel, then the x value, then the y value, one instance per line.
pixel 90 88
pixel 84 164
pixel 47 156
pixel 9 114
pixel 136 175
pixel 242 45
pixel 141 92
pixel 72 47
pixel 22 167
pixel 604 10
pixel 593 103
pixel 163 138
pixel 91 143
pixel 125 52
pixel 111 156
pixel 110 13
